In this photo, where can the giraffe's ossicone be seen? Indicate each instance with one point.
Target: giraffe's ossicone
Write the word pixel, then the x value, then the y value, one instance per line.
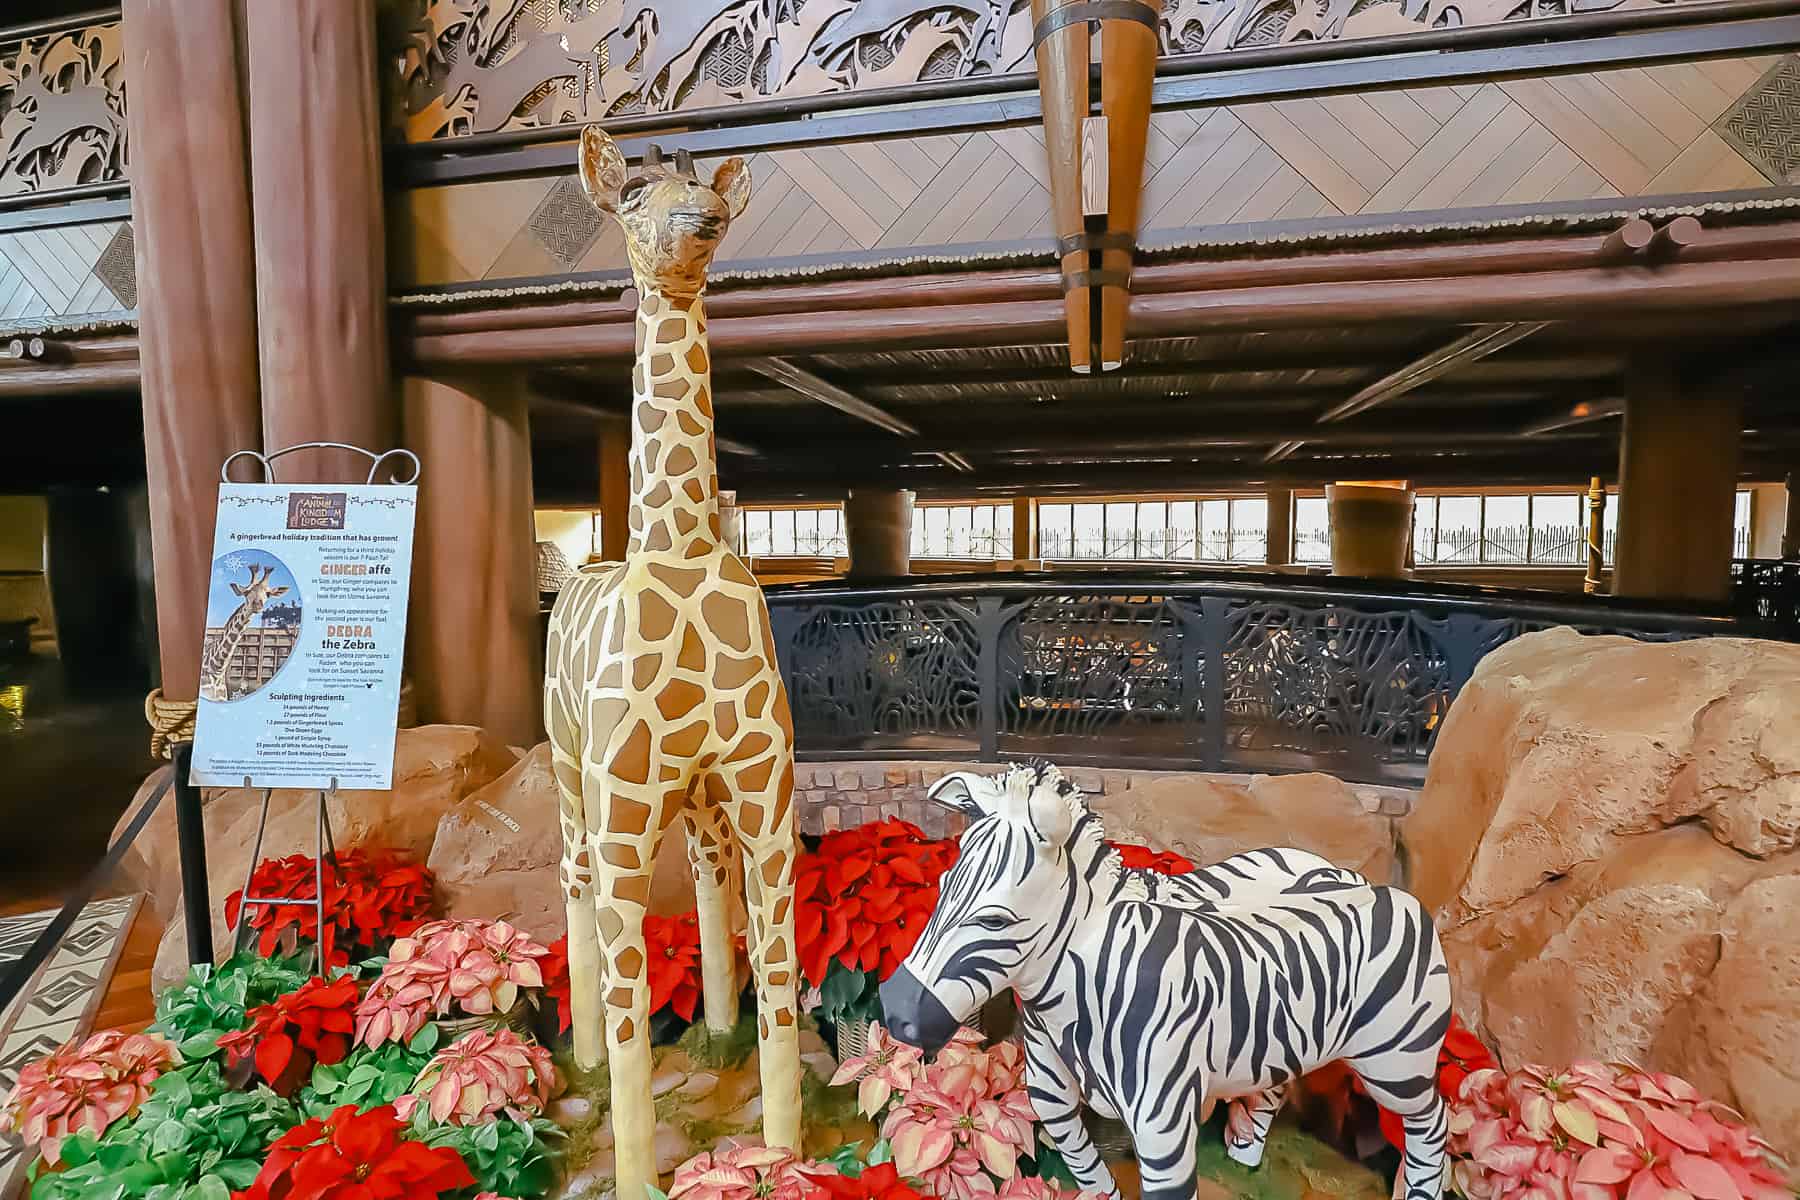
pixel 662 698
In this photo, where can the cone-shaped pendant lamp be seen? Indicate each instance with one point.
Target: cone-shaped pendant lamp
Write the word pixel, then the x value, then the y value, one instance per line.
pixel 1096 162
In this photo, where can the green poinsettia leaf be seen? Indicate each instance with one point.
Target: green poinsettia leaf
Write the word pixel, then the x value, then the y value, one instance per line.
pixel 426 1040
pixel 211 1187
pixel 881 1152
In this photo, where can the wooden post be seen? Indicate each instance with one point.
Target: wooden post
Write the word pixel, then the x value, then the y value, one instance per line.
pixel 190 211
pixel 1596 537
pixel 615 490
pixel 1024 531
pixel 1678 470
pixel 472 633
pixel 878 527
pixel 321 277
pixel 1281 527
pixel 1062 66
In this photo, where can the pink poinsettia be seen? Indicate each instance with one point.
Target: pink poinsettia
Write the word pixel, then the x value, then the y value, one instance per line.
pixel 469 967
pixel 886 1066
pixel 734 1171
pixel 83 1088
pixel 1601 1132
pixel 961 1126
pixel 481 1075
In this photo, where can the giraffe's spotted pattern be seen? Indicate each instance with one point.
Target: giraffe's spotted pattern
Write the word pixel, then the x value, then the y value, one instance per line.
pixel 662 696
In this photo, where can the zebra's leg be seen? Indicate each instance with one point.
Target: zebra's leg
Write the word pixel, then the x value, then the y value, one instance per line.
pixel 1056 1096
pixel 1408 1088
pixel 1167 1142
pixel 1246 1146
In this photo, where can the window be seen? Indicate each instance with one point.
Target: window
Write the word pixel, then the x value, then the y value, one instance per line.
pixel 1227 529
pixel 1495 529
pixel 962 531
pixel 793 533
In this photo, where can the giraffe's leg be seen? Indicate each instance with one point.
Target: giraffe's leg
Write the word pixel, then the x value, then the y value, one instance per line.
pixel 625 832
pixel 709 849
pixel 584 939
pixel 764 819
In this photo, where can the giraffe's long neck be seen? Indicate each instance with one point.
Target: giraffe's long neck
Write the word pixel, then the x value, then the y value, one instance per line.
pixel 674 469
pixel 229 638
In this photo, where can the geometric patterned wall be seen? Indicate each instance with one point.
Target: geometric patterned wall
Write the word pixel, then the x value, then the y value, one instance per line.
pixel 66 271
pixel 1678 128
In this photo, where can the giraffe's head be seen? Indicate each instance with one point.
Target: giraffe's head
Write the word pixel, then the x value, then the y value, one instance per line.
pixel 673 220
pixel 258 592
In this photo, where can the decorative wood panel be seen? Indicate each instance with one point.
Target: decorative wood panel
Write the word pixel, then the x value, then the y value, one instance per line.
pixel 66 271
pixel 62 110
pixel 462 67
pixel 1650 131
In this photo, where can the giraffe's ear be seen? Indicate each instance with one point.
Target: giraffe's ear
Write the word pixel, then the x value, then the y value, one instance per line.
pixel 732 182
pixel 602 168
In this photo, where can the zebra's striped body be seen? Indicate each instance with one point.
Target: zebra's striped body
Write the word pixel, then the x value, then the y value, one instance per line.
pixel 1150 997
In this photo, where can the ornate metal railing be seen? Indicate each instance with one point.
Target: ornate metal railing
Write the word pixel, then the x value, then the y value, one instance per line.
pixel 1227 672
pixel 1766 592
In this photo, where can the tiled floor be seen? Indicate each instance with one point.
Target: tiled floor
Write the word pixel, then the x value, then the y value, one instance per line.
pixel 63 999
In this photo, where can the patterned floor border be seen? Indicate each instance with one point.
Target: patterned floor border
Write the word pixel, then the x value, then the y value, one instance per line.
pixel 61 1000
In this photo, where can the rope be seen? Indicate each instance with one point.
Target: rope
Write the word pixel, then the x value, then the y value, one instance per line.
pixel 171 721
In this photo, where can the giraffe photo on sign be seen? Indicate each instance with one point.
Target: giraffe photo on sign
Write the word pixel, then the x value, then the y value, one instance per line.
pixel 252 623
pixel 305 635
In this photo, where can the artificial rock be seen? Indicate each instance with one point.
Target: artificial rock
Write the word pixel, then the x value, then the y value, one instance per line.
pixel 498 855
pixel 1607 838
pixel 1206 818
pixel 435 768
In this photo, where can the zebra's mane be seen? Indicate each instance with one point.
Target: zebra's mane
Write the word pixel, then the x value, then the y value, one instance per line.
pixel 1087 842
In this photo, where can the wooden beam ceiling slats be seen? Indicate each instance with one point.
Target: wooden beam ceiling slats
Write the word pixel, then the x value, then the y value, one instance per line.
pixel 1476 344
pixel 825 392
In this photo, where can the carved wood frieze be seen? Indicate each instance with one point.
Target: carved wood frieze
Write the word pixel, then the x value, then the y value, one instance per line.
pixel 459 67
pixel 62 110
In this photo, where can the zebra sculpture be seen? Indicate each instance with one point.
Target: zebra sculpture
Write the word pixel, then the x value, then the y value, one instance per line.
pixel 1150 997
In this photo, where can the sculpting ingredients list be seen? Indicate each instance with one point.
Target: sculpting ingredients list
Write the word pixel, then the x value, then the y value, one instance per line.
pixel 305 635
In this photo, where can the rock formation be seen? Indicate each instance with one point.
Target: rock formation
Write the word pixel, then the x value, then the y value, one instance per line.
pixel 1209 817
pixel 1608 839
pixel 435 768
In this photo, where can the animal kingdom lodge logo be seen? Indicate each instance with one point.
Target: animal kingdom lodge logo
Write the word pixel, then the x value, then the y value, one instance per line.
pixel 315 510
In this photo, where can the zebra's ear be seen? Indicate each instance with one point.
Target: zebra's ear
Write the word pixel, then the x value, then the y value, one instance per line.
pixel 1051 818
pixel 956 792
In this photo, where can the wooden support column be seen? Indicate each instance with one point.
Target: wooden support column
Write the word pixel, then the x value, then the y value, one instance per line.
pixel 1281 527
pixel 1769 518
pixel 1024 530
pixel 472 634
pixel 615 490
pixel 321 277
pixel 190 211
pixel 1790 534
pixel 1678 471
pixel 878 528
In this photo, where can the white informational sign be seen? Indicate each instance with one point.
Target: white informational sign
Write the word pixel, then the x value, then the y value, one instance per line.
pixel 305 635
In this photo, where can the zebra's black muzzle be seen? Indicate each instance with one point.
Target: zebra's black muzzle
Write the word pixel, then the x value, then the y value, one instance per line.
pixel 913 1015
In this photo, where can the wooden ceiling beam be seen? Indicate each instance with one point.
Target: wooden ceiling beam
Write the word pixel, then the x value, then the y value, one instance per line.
pixel 828 393
pixel 1476 344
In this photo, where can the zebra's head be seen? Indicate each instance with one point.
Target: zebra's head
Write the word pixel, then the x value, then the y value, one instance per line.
pixel 1006 899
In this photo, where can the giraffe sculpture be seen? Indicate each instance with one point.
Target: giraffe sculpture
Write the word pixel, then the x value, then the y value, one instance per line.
pixel 213 685
pixel 662 697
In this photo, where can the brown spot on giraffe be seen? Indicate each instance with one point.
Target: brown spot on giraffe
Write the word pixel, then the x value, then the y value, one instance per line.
pixel 753 703
pixel 725 721
pixel 621 855
pixel 679 698
pixel 686 741
pixel 729 620
pixel 659 496
pixel 634 889
pixel 631 762
pixel 644 669
pixel 693 651
pixel 686 522
pixel 753 744
pixel 696 359
pixel 656 616
pixel 683 581
pixel 681 461
pixel 690 426
pixel 651 419
pixel 755 777
pixel 627 816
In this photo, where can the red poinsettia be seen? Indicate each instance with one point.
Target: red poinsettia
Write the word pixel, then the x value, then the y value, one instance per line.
pixel 368 899
pixel 1462 1056
pixel 1166 862
pixel 672 948
pixel 555 966
pixel 1335 1094
pixel 879 1182
pixel 348 1156
pixel 863 897
pixel 310 1025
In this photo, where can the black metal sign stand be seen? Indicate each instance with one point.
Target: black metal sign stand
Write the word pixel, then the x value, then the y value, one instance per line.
pixel 190 833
